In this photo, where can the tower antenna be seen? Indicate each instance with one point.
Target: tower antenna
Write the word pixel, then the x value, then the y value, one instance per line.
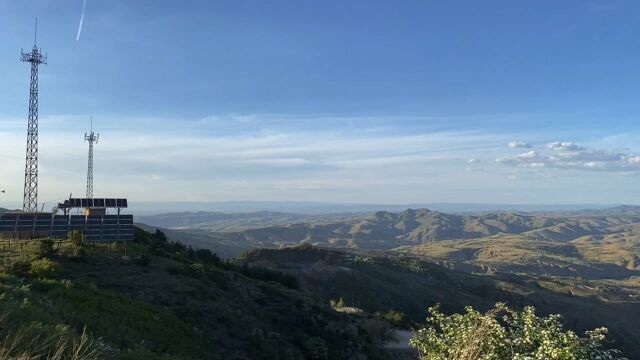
pixel 91 138
pixel 30 200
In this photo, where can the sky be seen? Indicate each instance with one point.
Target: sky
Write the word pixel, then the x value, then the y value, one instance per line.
pixel 357 101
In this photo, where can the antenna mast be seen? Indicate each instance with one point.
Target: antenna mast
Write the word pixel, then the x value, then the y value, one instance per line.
pixel 35 57
pixel 91 138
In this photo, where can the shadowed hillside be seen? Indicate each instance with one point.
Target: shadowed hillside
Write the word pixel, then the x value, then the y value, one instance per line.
pixel 379 282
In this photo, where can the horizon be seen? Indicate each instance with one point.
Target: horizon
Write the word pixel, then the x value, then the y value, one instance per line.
pixel 146 208
pixel 340 103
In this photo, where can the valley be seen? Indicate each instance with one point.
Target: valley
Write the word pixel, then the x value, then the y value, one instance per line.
pixel 584 265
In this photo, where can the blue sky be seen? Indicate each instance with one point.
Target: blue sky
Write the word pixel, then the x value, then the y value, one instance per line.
pixel 349 101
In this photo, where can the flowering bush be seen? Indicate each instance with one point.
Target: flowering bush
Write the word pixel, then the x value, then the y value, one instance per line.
pixel 45 269
pixel 503 333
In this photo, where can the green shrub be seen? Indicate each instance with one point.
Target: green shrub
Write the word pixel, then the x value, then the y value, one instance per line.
pixel 502 333
pixel 75 237
pixel 316 349
pixel 207 257
pixel 45 269
pixel 143 260
pixel 397 318
pixel 45 248
pixel 79 254
pixel 196 270
pixel 18 268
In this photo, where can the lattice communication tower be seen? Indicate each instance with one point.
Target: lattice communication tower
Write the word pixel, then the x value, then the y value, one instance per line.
pixel 91 138
pixel 35 57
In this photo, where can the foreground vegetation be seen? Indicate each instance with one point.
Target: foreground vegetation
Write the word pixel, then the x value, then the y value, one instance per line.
pixel 502 333
pixel 165 301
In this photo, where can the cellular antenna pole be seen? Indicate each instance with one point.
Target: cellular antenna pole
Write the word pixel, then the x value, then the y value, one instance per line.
pixel 91 138
pixel 35 57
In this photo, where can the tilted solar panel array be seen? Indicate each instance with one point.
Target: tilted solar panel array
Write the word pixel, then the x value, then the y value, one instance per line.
pixel 94 227
pixel 98 203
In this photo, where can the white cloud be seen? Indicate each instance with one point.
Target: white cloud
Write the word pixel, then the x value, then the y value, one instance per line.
pixel 568 155
pixel 473 161
pixel 565 146
pixel 528 155
pixel 519 144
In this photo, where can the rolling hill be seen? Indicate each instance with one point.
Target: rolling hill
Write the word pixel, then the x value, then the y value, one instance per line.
pixel 382 230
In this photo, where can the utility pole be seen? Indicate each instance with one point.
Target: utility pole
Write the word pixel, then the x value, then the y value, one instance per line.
pixel 35 57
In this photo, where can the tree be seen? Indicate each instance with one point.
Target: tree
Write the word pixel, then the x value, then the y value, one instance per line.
pixel 158 243
pixel 207 257
pixel 78 253
pixel 502 333
pixel 75 237
pixel 45 248
pixel 160 237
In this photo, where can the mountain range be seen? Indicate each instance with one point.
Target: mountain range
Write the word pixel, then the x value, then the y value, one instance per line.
pixel 384 230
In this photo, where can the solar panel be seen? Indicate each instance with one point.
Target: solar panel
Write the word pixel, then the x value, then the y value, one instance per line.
pixel 93 227
pixel 6 226
pixel 94 219
pixel 99 203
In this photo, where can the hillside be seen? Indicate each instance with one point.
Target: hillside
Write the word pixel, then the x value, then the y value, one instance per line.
pixel 377 281
pixel 175 303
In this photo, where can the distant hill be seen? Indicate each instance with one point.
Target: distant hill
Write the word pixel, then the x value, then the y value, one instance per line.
pixel 322 208
pixel 227 222
pixel 383 230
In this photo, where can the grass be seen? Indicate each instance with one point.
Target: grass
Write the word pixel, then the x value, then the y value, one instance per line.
pixel 23 344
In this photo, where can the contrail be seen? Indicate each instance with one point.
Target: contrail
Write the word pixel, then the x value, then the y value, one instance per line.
pixel 84 7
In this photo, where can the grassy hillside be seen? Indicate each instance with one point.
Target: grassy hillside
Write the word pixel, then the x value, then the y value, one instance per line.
pixel 583 257
pixel 170 302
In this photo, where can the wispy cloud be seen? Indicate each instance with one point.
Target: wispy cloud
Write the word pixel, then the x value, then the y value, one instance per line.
pixel 84 8
pixel 267 157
